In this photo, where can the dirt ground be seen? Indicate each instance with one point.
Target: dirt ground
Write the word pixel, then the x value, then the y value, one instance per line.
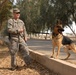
pixel 33 69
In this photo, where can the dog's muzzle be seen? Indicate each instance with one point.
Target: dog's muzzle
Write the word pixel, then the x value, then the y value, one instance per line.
pixel 60 30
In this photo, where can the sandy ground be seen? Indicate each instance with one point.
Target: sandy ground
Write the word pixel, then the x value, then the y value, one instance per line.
pixel 33 69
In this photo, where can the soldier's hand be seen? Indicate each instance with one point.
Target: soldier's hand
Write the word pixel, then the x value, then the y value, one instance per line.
pixel 25 39
pixel 21 30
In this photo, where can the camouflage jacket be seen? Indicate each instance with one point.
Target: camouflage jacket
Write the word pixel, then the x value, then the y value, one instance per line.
pixel 14 27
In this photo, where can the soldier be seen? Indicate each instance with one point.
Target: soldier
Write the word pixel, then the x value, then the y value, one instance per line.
pixel 17 38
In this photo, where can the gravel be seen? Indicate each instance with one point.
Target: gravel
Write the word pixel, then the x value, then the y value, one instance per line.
pixel 33 69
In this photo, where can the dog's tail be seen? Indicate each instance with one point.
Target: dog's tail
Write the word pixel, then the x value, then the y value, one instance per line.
pixel 73 47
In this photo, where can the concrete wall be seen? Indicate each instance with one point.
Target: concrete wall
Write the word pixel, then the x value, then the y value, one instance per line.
pixel 59 66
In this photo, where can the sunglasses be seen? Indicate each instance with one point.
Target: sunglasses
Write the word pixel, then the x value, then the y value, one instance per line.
pixel 17 12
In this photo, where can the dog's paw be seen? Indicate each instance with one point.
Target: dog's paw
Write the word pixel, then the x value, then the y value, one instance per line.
pixel 56 57
pixel 66 58
pixel 51 56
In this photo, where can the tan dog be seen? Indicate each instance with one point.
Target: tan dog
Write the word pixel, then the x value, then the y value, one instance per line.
pixel 58 40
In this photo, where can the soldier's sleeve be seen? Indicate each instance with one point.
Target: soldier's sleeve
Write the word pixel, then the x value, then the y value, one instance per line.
pixel 10 27
pixel 25 32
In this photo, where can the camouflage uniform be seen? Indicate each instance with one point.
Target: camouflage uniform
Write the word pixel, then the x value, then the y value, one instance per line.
pixel 17 42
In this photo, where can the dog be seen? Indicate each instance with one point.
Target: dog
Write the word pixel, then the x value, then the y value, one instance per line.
pixel 59 40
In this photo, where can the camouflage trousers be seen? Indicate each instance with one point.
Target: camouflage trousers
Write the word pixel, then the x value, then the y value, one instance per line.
pixel 22 49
